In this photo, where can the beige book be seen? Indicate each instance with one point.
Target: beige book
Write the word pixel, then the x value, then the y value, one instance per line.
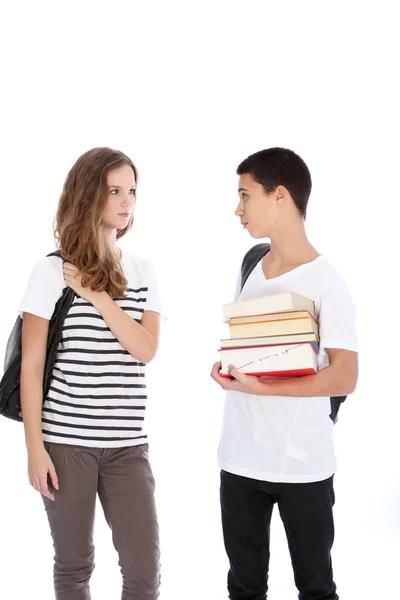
pixel 272 303
pixel 296 314
pixel 267 328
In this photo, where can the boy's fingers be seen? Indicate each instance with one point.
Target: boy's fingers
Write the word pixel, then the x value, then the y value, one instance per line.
pixel 215 370
pixel 240 377
pixel 235 373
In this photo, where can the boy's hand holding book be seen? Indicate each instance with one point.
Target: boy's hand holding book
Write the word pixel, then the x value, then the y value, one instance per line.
pixel 240 382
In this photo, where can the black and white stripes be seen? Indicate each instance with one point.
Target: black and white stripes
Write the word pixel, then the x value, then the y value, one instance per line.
pixel 98 393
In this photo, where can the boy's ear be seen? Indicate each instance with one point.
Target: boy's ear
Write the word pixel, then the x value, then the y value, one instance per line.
pixel 281 193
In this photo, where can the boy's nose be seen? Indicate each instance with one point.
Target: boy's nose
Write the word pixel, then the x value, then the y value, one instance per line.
pixel 239 210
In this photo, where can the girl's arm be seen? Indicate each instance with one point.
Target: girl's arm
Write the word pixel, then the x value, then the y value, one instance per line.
pixel 140 340
pixel 34 341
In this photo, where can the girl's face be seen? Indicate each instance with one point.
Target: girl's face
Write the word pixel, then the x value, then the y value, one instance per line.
pixel 121 199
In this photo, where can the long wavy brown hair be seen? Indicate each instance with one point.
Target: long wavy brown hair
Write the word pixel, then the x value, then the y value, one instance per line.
pixel 78 225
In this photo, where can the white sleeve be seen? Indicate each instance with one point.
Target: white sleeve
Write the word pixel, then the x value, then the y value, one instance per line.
pixel 337 317
pixel 44 288
pixel 154 299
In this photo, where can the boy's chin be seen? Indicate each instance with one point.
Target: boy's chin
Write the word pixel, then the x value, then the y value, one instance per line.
pixel 258 235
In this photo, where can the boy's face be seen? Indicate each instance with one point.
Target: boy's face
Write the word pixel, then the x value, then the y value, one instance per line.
pixel 257 210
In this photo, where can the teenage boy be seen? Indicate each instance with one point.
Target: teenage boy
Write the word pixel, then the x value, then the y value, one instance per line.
pixel 277 445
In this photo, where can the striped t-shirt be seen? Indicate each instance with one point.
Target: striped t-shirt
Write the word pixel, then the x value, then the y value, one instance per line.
pixel 97 395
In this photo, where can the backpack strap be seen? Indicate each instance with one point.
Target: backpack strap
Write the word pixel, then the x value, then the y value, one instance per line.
pixel 55 253
pixel 253 256
pixel 336 401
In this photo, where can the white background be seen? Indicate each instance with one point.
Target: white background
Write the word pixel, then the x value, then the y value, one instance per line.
pixel 188 90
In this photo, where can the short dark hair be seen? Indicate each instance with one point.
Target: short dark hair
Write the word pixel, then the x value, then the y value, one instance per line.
pixel 279 166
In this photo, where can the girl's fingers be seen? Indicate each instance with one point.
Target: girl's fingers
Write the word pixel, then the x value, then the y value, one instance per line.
pixel 69 270
pixel 53 477
pixel 44 490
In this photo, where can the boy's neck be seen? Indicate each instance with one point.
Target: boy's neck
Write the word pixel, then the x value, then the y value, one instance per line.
pixel 291 246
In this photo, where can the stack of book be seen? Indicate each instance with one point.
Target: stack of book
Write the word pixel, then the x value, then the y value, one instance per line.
pixel 272 336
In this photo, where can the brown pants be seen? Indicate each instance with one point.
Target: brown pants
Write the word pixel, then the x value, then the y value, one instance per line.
pixel 124 481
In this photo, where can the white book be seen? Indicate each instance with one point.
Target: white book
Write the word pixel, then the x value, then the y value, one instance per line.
pixel 286 360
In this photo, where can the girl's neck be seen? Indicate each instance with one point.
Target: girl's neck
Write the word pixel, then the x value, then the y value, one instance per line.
pixel 111 238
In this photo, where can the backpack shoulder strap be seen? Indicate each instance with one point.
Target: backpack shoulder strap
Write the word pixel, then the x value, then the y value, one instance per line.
pixel 55 253
pixel 252 257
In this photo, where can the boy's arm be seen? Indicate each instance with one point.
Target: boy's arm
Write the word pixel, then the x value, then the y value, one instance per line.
pixel 337 336
pixel 339 378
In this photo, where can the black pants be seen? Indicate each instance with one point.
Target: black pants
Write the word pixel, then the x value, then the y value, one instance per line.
pixel 306 512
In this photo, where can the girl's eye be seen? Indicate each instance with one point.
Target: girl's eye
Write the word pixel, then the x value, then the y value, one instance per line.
pixel 116 191
pixel 244 196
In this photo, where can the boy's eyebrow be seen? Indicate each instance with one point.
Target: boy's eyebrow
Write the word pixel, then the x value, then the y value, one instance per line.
pixel 242 190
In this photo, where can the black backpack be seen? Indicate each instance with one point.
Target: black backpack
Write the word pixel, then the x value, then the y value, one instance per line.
pixel 10 402
pixel 253 256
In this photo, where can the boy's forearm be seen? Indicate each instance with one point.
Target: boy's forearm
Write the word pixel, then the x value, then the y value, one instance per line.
pixel 327 382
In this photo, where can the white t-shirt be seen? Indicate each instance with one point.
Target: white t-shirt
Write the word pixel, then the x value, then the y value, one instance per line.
pixel 97 395
pixel 286 438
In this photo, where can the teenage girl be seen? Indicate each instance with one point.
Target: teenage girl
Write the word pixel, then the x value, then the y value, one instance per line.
pixel 87 436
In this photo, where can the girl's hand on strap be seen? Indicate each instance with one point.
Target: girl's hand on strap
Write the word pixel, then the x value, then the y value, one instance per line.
pixel 73 279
